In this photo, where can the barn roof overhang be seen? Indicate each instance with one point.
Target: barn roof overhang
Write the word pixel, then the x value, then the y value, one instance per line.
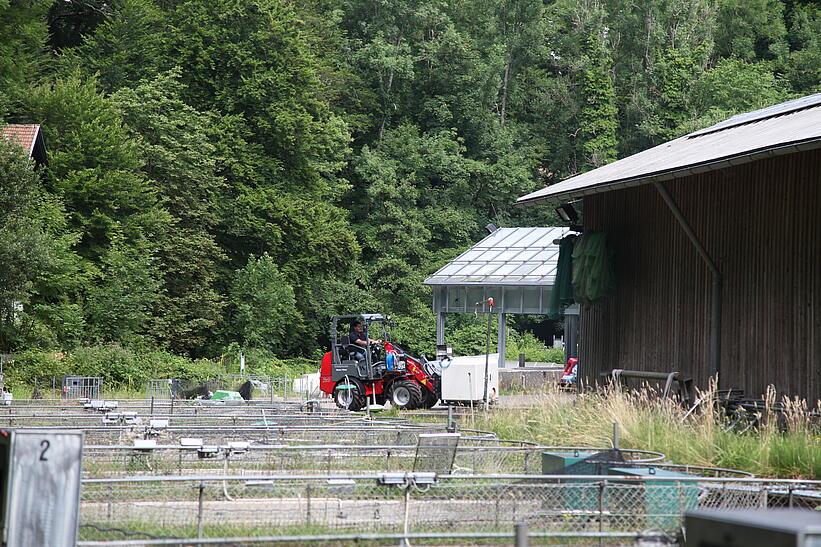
pixel 785 128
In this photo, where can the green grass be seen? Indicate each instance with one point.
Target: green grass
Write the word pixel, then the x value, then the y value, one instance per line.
pixel 649 423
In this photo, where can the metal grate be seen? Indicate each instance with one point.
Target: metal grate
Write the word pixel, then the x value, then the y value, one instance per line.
pixel 78 387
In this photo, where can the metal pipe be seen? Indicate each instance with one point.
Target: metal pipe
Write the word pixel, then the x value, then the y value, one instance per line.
pixel 714 352
pixel 520 532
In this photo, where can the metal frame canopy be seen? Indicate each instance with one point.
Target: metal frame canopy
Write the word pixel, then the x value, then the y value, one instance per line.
pixel 515 266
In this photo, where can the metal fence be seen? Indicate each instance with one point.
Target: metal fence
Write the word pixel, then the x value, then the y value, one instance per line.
pixel 239 458
pixel 405 503
pixel 81 387
pixel 262 387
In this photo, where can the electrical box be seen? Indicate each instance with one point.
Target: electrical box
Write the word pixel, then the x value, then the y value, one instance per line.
pixel 40 475
pixel 463 378
pixel 741 528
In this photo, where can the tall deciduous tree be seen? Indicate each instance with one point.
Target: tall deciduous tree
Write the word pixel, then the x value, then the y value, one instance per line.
pixel 180 163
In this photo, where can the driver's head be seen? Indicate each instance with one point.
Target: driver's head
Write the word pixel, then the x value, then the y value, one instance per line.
pixel 357 326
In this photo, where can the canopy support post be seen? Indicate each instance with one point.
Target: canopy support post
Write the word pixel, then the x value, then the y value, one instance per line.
pixel 501 343
pixel 714 357
pixel 440 328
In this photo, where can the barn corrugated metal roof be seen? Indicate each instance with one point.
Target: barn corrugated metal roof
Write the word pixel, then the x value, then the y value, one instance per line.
pixel 24 135
pixel 779 129
pixel 508 256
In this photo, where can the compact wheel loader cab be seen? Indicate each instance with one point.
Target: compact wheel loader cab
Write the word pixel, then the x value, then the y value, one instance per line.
pixel 356 376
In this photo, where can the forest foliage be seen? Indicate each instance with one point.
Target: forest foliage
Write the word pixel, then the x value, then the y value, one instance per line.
pixel 235 171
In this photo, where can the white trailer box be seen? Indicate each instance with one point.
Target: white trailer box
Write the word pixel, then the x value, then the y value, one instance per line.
pixel 463 379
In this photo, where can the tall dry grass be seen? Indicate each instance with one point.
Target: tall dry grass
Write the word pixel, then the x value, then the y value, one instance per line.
pixel 788 445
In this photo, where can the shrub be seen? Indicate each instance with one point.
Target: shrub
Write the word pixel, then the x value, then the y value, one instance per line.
pixel 532 347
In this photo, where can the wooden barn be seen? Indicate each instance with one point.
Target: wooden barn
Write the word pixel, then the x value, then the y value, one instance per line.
pixel 716 242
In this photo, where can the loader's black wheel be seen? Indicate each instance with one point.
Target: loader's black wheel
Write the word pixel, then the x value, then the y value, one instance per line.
pixel 406 395
pixel 352 398
pixel 429 399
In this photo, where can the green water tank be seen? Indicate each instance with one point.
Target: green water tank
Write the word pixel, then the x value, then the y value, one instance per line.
pixel 578 498
pixel 662 500
pixel 554 463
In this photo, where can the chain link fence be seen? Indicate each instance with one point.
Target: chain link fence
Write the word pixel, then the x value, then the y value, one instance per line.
pixel 193 507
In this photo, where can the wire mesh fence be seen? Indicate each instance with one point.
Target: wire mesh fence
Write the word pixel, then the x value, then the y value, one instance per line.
pixel 239 458
pixel 179 507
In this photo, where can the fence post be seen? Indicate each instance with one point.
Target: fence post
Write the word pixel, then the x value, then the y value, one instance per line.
pixel 520 531
pixel 602 486
pixel 615 435
pixel 308 504
pixel 200 503
pixel 405 540
pixel 152 405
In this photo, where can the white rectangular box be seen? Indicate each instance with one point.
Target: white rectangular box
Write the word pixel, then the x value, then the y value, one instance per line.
pixel 463 380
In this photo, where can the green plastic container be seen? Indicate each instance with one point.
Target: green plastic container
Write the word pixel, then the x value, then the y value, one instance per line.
pixel 225 395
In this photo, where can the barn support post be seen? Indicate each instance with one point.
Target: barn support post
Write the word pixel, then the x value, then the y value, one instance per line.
pixel 714 358
pixel 440 328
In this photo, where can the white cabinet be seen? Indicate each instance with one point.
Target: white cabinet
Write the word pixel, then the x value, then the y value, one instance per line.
pixel 463 379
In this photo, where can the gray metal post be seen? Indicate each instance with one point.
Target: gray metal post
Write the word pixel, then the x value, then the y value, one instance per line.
pixel 200 503
pixel 520 531
pixel 714 358
pixel 615 434
pixel 501 344
pixel 485 399
pixel 440 328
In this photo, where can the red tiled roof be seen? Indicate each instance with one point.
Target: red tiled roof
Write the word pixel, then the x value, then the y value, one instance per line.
pixel 23 134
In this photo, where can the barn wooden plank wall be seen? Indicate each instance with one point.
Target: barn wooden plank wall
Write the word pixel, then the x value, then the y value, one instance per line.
pixel 761 223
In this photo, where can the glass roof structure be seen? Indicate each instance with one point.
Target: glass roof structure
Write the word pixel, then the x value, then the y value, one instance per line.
pixel 515 266
pixel 508 256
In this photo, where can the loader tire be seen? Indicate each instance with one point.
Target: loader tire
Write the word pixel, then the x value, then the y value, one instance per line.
pixel 406 395
pixel 351 399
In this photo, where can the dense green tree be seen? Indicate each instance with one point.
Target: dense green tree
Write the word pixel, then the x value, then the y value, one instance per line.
pixel 128 46
pixel 23 34
pixel 598 115
pixel 40 274
pixel 804 63
pixel 122 294
pixel 180 162
pixel 751 29
pixel 95 166
pixel 264 313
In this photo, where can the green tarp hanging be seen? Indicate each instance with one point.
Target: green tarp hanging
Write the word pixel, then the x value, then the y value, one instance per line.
pixel 562 294
pixel 593 276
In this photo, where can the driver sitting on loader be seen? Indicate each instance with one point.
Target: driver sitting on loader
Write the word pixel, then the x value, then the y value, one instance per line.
pixel 358 339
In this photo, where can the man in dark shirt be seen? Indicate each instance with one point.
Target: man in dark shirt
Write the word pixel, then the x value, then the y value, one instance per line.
pixel 358 338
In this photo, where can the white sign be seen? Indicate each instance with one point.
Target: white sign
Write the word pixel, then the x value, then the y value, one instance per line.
pixel 43 493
